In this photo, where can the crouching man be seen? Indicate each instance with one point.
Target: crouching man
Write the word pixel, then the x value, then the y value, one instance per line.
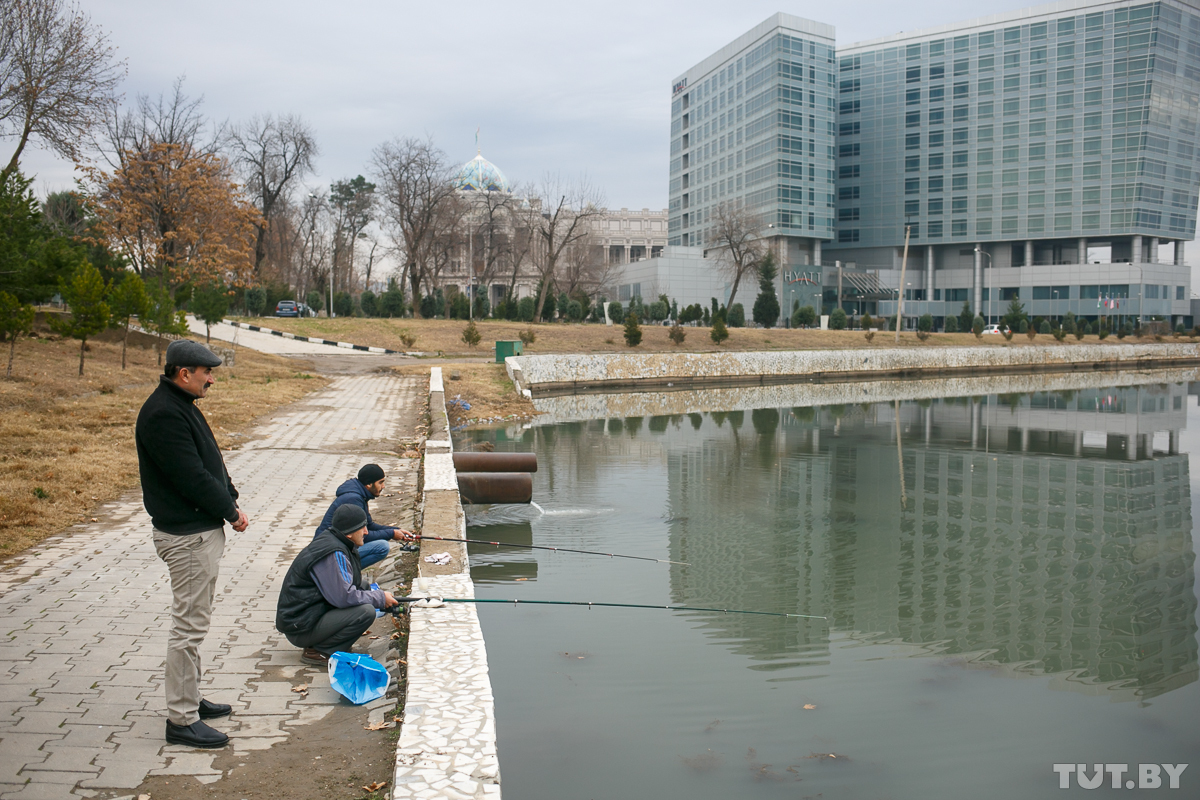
pixel 325 605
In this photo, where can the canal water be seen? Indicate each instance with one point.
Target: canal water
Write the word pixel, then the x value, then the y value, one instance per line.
pixel 1009 580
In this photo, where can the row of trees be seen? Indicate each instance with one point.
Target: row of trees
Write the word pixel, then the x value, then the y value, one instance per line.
pixel 96 304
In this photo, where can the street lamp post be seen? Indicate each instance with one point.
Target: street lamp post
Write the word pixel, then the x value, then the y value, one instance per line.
pixel 991 286
pixel 903 266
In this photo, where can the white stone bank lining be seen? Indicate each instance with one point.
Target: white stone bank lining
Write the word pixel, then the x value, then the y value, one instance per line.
pixel 564 373
pixel 592 406
pixel 447 745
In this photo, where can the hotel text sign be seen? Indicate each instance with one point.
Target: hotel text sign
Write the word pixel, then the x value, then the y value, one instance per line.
pixel 795 276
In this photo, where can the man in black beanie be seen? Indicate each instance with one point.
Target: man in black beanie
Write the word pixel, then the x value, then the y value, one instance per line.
pixel 359 492
pixel 325 604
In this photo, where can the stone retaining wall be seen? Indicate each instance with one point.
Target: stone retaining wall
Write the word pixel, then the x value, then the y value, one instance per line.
pixel 447 745
pixel 551 375
pixel 592 406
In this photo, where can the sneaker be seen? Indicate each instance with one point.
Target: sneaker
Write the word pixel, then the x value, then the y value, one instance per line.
pixel 314 657
pixel 209 710
pixel 195 735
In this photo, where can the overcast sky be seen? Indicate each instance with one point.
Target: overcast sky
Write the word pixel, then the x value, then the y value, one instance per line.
pixel 569 88
pixel 554 87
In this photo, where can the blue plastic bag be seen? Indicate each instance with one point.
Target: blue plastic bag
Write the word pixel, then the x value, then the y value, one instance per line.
pixel 357 677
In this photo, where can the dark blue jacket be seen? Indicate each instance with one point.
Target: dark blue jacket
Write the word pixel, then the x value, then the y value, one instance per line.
pixel 353 491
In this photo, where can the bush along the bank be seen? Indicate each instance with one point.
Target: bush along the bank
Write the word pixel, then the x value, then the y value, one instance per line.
pixel 719 332
pixel 470 334
pixel 837 320
pixel 633 331
pixel 736 317
pixel 951 324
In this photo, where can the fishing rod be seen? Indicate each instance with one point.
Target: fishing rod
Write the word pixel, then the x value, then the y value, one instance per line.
pixel 556 549
pixel 434 600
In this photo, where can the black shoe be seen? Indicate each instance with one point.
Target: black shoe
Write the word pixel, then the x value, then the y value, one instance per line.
pixel 314 657
pixel 195 735
pixel 213 710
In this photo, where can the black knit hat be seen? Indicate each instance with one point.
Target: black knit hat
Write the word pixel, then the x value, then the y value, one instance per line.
pixel 370 473
pixel 348 519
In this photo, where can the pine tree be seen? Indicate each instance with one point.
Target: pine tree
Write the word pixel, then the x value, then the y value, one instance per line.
pixel 15 319
pixel 633 331
pixel 209 303
pixel 766 306
pixel 85 294
pixel 163 319
pixel 719 332
pixel 128 299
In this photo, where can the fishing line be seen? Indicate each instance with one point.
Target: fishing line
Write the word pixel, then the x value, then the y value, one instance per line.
pixel 589 604
pixel 556 549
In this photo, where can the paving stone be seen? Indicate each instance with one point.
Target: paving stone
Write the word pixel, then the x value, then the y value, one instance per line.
pixel 81 657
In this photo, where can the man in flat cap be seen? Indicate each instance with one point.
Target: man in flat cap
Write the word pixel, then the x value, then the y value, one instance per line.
pixel 359 491
pixel 188 493
pixel 324 603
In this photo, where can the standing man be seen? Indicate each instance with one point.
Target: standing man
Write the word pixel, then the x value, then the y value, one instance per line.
pixel 188 493
pixel 358 492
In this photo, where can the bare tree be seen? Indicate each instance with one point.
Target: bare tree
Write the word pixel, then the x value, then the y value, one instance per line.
pixel 566 214
pixel 584 268
pixel 272 154
pixel 353 205
pixel 173 119
pixel 523 242
pixel 735 235
pixel 313 234
pixel 57 76
pixel 416 198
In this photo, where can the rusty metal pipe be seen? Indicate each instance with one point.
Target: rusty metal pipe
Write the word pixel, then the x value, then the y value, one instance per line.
pixel 495 487
pixel 495 462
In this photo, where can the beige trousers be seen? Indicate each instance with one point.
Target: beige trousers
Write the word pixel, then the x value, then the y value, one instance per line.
pixel 193 561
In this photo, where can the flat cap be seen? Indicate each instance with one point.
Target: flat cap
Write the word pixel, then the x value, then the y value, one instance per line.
pixel 347 519
pixel 186 353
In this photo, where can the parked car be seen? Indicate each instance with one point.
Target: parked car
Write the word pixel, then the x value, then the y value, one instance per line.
pixel 995 329
pixel 287 308
pixel 305 311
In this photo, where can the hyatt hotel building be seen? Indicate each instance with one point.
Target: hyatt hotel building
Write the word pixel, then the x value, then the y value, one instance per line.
pixel 1048 155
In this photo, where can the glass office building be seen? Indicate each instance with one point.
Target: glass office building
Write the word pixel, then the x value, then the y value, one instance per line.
pixel 1047 155
pixel 1020 144
pixel 753 124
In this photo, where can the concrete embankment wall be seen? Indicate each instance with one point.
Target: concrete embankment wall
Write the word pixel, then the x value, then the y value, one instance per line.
pixel 447 744
pixel 651 403
pixel 556 375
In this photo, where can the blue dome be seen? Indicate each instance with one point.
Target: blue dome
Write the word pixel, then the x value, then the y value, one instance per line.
pixel 481 175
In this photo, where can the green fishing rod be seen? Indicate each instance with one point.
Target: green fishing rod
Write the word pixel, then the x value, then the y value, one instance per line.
pixel 555 549
pixel 434 600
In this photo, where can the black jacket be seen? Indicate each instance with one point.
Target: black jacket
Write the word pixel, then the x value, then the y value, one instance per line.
pixel 301 604
pixel 185 485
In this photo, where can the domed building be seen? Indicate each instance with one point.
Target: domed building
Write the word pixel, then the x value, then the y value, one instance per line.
pixel 498 242
pixel 481 175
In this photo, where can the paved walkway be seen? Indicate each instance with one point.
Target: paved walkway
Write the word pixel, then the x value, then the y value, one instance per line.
pixel 85 618
pixel 268 343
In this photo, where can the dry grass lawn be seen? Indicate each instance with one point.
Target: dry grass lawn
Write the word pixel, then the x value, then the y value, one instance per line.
pixel 484 387
pixel 445 337
pixel 66 442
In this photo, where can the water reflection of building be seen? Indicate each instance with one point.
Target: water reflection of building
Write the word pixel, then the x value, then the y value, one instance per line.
pixel 1048 533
